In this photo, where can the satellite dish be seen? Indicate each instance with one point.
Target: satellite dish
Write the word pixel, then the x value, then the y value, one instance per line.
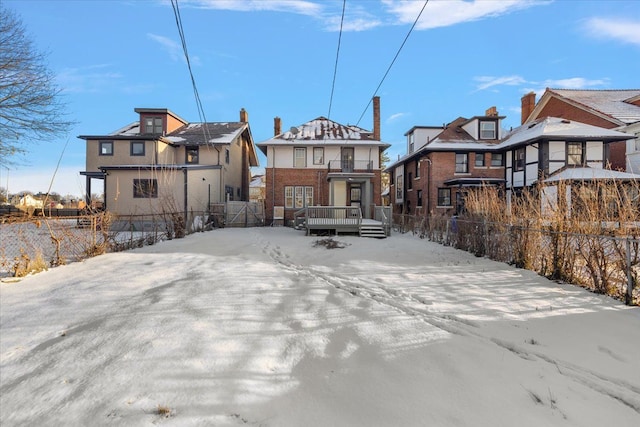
pixel 294 130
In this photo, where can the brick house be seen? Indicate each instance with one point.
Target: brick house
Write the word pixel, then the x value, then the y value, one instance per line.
pixel 322 163
pixel 442 163
pixel 162 163
pixel 610 109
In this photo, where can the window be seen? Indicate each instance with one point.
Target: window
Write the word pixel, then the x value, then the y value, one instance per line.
pixel 479 160
pixel 518 159
pixel 497 159
pixel 462 162
pixel 419 203
pixel 418 169
pixel 409 181
pixel 137 148
pixel 300 157
pixel 288 197
pixel 298 196
pixel 145 188
pixel 318 155
pixel 575 153
pixel 488 130
pixel 444 197
pixel 192 154
pixel 153 125
pixel 106 148
pixel 411 142
pixel 226 155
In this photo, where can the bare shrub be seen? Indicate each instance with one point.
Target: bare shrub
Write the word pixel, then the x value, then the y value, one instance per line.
pixel 25 265
pixel 329 243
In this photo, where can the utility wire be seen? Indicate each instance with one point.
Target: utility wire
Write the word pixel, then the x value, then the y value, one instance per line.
pixel 335 69
pixel 201 115
pixel 392 62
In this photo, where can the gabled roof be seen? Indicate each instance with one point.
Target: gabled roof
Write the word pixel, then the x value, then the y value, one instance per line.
pixel 452 138
pixel 615 105
pixel 553 127
pixel 323 131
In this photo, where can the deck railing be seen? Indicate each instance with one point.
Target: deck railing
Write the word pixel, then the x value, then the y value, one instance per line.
pixel 384 215
pixel 349 166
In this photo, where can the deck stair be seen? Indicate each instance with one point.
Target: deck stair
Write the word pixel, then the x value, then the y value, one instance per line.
pixel 373 229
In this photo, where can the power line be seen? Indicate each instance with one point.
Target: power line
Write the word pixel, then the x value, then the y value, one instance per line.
pixel 335 70
pixel 392 62
pixel 201 115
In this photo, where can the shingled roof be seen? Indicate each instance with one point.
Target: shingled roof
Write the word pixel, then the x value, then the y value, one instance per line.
pixel 321 129
pixel 206 133
pixel 616 104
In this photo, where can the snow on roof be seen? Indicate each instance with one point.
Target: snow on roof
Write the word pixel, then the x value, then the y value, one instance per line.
pixel 591 174
pixel 323 130
pixel 257 181
pixel 130 129
pixel 613 103
pixel 553 127
pixel 216 133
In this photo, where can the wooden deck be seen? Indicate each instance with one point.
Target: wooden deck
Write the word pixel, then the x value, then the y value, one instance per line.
pixel 343 219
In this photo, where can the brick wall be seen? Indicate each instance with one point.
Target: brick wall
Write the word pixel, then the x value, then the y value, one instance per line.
pixel 433 174
pixel 277 179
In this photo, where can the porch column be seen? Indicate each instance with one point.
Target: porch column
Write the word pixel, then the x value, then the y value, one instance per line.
pixel 367 198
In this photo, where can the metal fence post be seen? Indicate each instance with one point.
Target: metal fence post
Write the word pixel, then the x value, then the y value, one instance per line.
pixel 628 300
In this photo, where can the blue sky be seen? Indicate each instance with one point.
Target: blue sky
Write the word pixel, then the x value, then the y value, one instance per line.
pixel 277 58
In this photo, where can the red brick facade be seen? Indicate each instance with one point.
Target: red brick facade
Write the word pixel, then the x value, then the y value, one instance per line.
pixel 277 179
pixel 435 169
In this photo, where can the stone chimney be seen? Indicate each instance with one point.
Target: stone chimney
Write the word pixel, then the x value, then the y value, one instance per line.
pixel 376 118
pixel 528 104
pixel 491 112
pixel 277 126
pixel 244 116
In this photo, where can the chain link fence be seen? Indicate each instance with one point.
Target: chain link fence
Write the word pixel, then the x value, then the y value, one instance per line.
pixel 32 244
pixel 603 263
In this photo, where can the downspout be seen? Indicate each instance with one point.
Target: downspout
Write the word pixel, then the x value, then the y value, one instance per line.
pixel 273 182
pixel 185 196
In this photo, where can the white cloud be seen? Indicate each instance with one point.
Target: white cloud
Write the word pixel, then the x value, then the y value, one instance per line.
pixel 293 6
pixel 574 83
pixel 173 48
pixel 89 79
pixel 486 82
pixel 440 13
pixel 395 116
pixel 623 30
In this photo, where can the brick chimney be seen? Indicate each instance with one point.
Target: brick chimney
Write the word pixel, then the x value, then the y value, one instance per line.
pixel 528 104
pixel 491 112
pixel 244 116
pixel 376 118
pixel 277 126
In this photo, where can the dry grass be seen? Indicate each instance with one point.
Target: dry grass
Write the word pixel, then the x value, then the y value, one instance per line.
pixel 588 239
pixel 25 265
pixel 164 411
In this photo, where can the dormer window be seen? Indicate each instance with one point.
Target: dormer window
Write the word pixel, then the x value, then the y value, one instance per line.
pixel 488 130
pixel 411 142
pixel 153 125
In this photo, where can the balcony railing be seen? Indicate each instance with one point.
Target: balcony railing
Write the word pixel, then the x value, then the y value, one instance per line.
pixel 348 166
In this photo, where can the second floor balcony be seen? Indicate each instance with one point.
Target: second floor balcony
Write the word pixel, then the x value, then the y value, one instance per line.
pixel 349 166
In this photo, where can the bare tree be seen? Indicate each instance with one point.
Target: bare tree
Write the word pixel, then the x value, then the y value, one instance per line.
pixel 31 108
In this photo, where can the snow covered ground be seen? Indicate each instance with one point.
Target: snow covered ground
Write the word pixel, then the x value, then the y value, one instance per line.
pixel 260 327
